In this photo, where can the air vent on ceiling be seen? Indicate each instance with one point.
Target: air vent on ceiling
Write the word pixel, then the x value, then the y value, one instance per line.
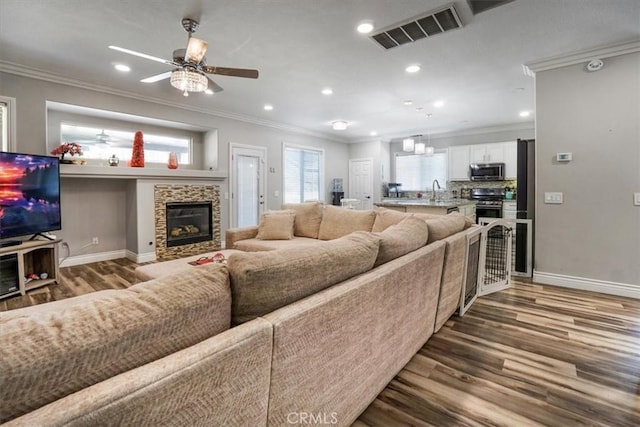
pixel 478 6
pixel 434 22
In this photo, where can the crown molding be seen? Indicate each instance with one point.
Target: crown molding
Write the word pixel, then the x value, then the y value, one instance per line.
pixel 605 51
pixel 511 127
pixel 38 74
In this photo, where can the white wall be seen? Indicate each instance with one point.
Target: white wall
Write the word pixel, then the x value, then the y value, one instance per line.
pixel 592 240
pixel 78 227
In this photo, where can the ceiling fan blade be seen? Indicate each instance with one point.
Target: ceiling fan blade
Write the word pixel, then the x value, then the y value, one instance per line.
pixel 235 72
pixel 196 48
pixel 157 77
pixel 142 55
pixel 214 86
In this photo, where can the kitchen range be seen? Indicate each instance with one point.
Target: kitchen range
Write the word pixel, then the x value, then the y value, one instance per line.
pixel 488 201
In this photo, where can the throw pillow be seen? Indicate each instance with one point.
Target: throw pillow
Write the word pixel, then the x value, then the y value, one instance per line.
pixel 308 218
pixel 262 282
pixel 276 225
pixel 444 226
pixel 386 218
pixel 338 222
pixel 402 238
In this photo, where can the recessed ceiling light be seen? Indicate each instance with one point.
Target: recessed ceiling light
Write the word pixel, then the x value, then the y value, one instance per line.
pixel 412 68
pixel 365 27
pixel 525 113
pixel 373 133
pixel 327 91
pixel 438 104
pixel 418 109
pixel 208 91
pixel 408 102
pixel 428 115
pixel 122 67
pixel 339 125
pixel 268 107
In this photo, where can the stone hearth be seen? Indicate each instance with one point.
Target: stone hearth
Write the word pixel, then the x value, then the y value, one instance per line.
pixel 165 193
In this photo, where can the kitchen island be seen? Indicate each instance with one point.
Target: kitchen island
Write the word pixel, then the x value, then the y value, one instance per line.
pixel 437 207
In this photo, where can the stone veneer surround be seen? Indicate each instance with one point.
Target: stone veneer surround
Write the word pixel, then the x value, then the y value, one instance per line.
pixel 164 193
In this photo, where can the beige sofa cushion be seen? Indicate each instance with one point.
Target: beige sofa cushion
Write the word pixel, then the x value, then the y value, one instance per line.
pixel 338 222
pixel 386 218
pixel 402 238
pixel 443 226
pixel 64 346
pixel 255 245
pixel 265 281
pixel 308 218
pixel 276 225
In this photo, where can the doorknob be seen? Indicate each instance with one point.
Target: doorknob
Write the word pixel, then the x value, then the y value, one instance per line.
pixel 367 197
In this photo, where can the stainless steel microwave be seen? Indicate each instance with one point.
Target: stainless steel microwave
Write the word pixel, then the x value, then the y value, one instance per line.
pixel 486 171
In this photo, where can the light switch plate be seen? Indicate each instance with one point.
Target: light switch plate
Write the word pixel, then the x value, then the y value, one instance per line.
pixel 636 199
pixel 553 198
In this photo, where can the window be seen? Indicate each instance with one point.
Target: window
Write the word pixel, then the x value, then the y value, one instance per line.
pixel 99 143
pixel 303 174
pixel 7 124
pixel 416 172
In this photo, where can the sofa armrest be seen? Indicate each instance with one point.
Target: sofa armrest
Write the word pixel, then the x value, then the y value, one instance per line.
pixel 232 235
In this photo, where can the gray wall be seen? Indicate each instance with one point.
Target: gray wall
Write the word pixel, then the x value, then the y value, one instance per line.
pixel 595 234
pixel 80 198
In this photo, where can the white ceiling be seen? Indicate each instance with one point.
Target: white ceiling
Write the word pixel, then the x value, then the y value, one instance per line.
pixel 302 46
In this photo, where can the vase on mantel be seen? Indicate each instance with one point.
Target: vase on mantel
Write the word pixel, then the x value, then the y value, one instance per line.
pixel 137 157
pixel 173 160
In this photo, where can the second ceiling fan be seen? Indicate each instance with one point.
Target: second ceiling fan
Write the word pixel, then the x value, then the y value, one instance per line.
pixel 190 65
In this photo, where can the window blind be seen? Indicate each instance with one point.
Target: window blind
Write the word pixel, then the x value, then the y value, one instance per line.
pixel 302 174
pixel 416 172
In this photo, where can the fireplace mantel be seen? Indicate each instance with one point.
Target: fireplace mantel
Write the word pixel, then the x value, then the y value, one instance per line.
pixel 124 172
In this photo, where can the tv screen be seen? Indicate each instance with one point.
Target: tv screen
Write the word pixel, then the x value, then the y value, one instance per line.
pixel 29 194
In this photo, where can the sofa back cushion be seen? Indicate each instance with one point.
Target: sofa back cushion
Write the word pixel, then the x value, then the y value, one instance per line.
pixel 308 218
pixel 443 226
pixel 276 225
pixel 386 218
pixel 402 238
pixel 52 350
pixel 338 222
pixel 265 281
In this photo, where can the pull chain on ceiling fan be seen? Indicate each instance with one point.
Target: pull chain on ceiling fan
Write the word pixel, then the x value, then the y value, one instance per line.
pixel 191 68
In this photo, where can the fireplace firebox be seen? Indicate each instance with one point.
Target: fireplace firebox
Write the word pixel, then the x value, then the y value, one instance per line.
pixel 188 222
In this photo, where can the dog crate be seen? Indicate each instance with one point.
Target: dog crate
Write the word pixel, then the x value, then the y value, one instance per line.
pixel 521 245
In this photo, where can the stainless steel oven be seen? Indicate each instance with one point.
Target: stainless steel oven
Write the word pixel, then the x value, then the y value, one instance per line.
pixel 489 202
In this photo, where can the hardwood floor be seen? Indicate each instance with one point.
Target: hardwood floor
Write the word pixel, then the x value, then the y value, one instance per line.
pixel 530 355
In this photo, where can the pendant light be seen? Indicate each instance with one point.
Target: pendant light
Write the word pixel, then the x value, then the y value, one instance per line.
pixel 429 150
pixel 407 145
pixel 420 147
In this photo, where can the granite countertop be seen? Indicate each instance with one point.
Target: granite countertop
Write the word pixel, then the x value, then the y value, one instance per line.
pixel 449 203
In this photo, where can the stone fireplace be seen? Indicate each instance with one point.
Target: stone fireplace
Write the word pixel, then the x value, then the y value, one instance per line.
pixel 187 220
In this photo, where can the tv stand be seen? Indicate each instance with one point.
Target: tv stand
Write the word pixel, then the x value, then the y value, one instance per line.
pixel 32 257
pixel 10 243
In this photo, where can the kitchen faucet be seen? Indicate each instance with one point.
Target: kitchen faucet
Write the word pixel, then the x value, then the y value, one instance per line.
pixel 433 189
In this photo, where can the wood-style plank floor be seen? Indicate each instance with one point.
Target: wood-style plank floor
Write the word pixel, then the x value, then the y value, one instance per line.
pixel 530 355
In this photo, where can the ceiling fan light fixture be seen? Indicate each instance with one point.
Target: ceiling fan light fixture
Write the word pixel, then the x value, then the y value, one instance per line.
pixel 195 50
pixel 189 81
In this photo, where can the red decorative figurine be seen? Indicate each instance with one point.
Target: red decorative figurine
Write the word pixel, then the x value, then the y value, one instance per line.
pixel 137 158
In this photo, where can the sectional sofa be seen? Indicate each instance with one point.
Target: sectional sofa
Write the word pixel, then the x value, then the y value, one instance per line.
pixel 309 330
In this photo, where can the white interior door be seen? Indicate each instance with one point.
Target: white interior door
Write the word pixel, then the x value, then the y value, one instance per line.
pixel 247 185
pixel 361 182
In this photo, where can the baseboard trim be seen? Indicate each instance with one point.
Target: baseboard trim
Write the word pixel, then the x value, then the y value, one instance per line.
pixel 141 258
pixel 586 284
pixel 86 259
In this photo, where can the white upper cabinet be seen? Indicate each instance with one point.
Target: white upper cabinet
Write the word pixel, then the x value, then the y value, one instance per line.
pixel 459 163
pixel 497 152
pixel 487 153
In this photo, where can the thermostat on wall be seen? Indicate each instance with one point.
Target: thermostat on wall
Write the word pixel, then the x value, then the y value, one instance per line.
pixel 563 157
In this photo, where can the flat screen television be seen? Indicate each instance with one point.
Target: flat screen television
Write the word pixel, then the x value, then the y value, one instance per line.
pixel 29 194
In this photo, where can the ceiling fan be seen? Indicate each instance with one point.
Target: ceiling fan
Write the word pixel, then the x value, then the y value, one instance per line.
pixel 190 65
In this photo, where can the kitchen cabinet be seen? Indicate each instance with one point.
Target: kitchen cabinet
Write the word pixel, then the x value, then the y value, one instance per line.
pixel 487 153
pixel 510 160
pixel 459 163
pixel 469 211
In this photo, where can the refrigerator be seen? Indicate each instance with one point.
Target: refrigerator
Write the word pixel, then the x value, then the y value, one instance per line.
pixel 525 201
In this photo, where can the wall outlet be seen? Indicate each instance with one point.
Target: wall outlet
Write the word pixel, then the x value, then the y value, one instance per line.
pixel 95 241
pixel 636 199
pixel 553 198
